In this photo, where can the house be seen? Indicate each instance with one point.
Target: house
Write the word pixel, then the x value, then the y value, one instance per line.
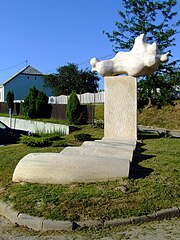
pixel 21 82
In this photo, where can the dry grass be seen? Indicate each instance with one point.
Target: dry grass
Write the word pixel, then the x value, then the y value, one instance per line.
pixel 168 117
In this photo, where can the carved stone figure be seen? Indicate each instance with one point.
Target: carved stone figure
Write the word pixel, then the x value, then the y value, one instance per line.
pixel 142 60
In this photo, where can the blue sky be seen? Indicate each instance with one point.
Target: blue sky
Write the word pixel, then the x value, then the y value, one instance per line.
pixel 51 33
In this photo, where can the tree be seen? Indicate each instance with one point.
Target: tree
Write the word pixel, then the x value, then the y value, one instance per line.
pixel 153 18
pixel 10 100
pixel 69 78
pixel 36 104
pixel 73 108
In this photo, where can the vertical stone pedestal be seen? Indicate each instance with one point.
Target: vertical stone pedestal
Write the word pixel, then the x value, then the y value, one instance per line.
pixel 120 107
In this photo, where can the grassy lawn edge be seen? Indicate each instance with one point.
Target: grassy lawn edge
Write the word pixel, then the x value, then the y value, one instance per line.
pixel 152 186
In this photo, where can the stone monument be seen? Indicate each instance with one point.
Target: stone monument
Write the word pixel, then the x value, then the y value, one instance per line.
pixel 109 158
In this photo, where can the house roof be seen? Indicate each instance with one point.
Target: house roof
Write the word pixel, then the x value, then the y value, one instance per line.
pixel 31 71
pixel 28 70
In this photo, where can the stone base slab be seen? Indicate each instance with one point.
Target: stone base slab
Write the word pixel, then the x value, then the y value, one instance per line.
pixel 57 168
pixel 93 161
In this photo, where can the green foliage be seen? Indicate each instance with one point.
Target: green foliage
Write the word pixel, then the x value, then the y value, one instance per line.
pixel 156 89
pixel 59 143
pixel 73 108
pixel 82 137
pixel 35 141
pixel 69 78
pixel 41 139
pixel 54 135
pixel 36 104
pixel 155 19
pixel 10 99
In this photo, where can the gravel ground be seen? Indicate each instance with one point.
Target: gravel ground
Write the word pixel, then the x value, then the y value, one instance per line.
pixel 167 229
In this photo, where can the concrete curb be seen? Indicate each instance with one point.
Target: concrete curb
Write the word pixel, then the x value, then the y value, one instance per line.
pixel 41 224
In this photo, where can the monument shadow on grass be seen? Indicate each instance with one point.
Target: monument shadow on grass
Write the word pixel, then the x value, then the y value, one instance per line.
pixel 137 171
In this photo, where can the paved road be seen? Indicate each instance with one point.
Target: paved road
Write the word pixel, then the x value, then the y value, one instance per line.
pixel 167 229
pixel 160 130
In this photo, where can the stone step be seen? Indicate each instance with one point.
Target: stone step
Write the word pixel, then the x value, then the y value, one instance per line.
pixel 55 168
pixel 117 145
pixel 128 141
pixel 99 151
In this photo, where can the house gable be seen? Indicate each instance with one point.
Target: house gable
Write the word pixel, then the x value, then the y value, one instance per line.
pixel 31 71
pixel 21 82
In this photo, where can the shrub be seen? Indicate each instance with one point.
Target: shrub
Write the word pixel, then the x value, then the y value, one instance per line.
pixel 42 107
pixel 42 139
pixel 60 143
pixel 10 100
pixel 53 137
pixel 82 137
pixel 50 136
pixel 36 104
pixel 35 141
pixel 73 109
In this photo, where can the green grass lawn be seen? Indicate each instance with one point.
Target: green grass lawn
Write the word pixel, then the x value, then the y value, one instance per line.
pixel 153 183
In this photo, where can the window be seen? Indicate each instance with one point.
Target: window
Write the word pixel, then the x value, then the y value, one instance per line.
pixel 28 77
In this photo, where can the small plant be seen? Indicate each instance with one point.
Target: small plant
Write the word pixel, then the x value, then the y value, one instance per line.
pixel 99 124
pixel 82 137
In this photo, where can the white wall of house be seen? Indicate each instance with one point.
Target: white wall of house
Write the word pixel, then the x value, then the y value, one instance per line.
pixel 1 94
pixel 21 84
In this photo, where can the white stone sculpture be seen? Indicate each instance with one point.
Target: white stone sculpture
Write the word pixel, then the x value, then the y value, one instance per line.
pixel 142 60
